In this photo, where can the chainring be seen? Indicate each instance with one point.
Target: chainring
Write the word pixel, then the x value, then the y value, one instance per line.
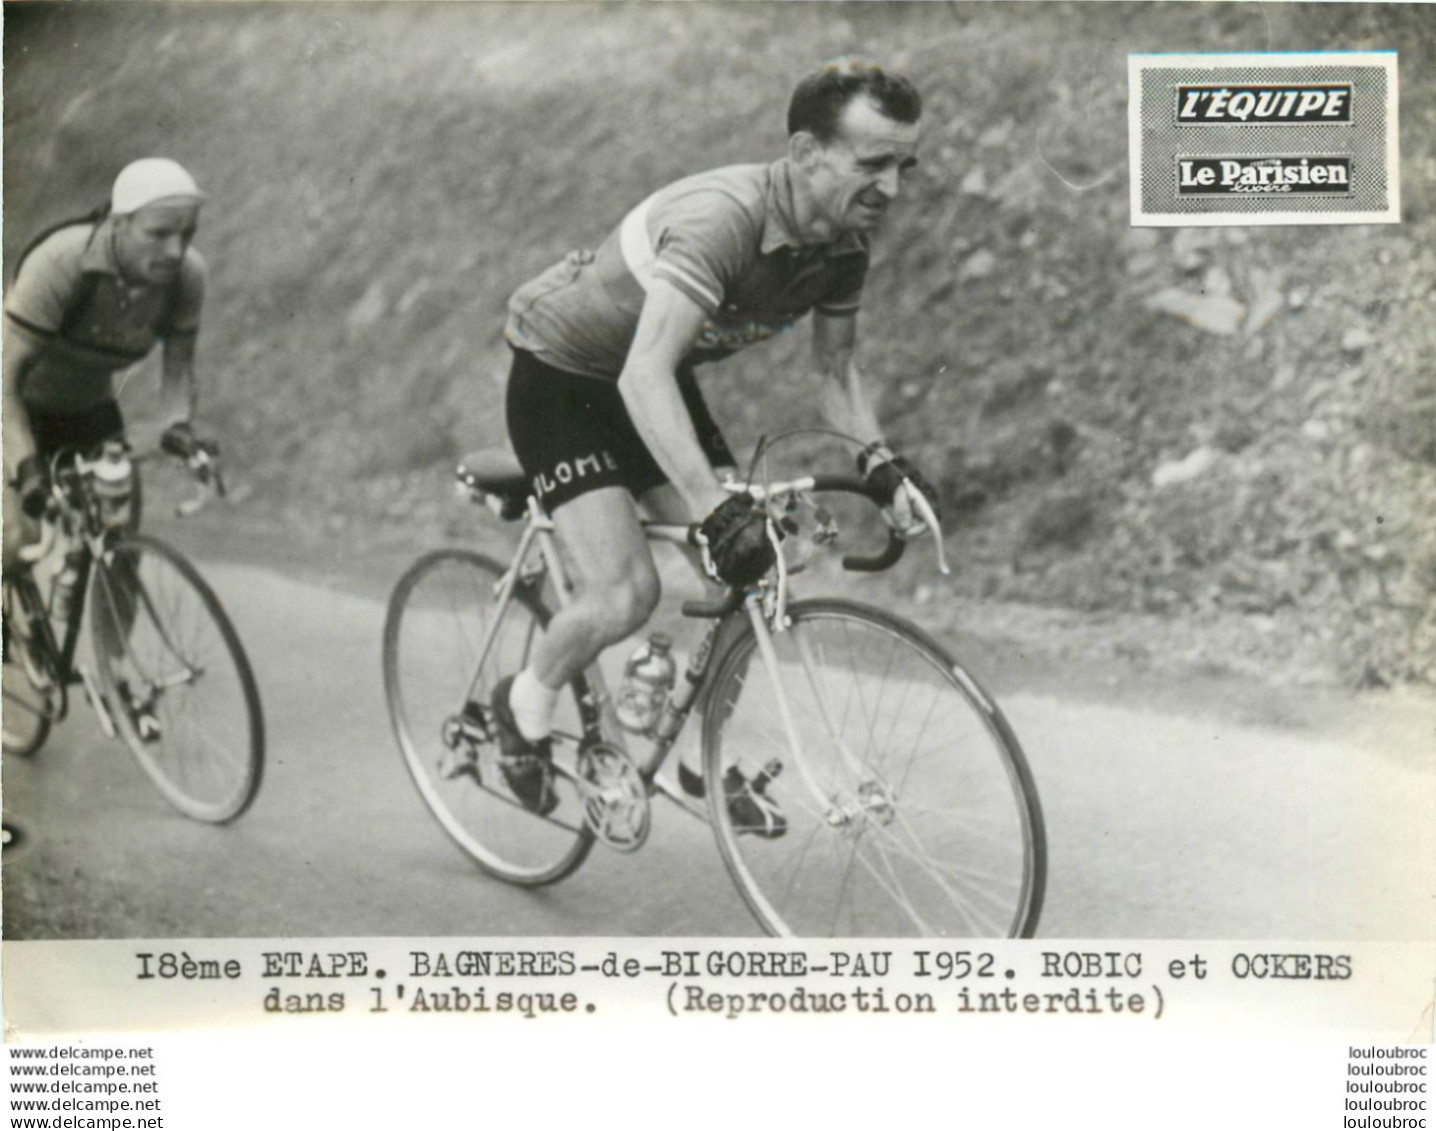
pixel 615 797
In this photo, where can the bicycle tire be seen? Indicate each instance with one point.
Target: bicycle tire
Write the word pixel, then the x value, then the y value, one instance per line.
pixel 189 710
pixel 435 624
pixel 912 811
pixel 31 676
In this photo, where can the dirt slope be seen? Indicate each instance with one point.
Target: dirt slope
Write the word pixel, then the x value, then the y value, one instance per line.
pixel 382 176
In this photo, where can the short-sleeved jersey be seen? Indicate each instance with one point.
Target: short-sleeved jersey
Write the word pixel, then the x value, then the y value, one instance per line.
pixel 71 296
pixel 727 239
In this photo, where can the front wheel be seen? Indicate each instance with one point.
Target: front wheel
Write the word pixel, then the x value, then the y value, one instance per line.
pixel 33 689
pixel 906 805
pixel 177 683
pixel 439 689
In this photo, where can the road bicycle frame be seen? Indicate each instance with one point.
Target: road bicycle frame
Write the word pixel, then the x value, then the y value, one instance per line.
pixel 538 533
pixel 75 531
pixel 860 783
pixel 764 604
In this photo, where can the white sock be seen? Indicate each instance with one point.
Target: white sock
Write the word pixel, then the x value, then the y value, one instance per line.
pixel 532 705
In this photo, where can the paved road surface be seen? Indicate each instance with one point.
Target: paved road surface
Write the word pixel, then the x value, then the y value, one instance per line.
pixel 1160 825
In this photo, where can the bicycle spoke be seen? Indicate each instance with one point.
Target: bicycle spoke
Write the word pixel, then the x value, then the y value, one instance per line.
pixel 945 875
pixel 893 886
pixel 930 827
pixel 447 642
pixel 176 679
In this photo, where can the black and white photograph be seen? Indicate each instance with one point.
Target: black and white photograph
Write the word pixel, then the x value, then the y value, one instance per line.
pixel 715 470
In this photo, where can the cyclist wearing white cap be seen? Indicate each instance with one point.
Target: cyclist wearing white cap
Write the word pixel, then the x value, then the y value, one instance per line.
pixel 91 297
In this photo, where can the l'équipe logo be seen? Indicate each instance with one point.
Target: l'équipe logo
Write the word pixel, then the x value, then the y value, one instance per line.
pixel 1299 138
pixel 1271 104
pixel 1293 176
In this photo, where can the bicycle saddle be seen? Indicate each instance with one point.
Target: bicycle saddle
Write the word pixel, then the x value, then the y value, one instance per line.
pixel 496 471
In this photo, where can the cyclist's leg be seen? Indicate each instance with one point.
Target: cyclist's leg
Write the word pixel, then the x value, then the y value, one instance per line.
pixel 616 590
pixel 617 583
pixel 20 531
pixel 579 448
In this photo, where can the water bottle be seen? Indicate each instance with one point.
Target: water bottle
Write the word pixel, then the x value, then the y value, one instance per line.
pixel 67 581
pixel 647 680
pixel 113 478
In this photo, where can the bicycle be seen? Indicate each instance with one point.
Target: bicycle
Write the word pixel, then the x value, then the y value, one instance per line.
pixel 171 678
pixel 911 808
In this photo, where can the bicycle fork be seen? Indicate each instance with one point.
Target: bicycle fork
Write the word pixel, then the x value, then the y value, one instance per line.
pixel 872 799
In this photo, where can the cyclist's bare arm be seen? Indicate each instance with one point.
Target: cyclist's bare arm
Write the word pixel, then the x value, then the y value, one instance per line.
pixel 667 328
pixel 21 350
pixel 177 384
pixel 842 398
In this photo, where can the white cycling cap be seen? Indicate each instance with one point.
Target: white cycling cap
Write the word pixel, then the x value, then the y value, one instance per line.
pixel 149 181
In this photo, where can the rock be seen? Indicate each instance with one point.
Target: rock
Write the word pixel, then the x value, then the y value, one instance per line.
pixel 1216 280
pixel 1189 247
pixel 1216 314
pixel 979 265
pixel 1143 263
pixel 1298 298
pixel 1266 300
pixel 1024 186
pixel 1193 465
pixel 416 291
pixel 371 307
pixel 975 183
pixel 1357 339
pixel 998 135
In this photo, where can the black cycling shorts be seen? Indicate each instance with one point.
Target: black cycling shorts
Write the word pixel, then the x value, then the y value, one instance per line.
pixel 82 430
pixel 573 434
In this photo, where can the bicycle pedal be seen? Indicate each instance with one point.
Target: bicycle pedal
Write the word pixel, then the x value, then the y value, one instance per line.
pixel 457 762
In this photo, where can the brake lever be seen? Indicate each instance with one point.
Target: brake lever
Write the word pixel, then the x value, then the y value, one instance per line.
pixel 210 479
pixel 929 518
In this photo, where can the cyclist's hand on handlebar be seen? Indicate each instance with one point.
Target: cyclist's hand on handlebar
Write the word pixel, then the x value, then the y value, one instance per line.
pixel 32 485
pixel 180 441
pixel 900 484
pixel 734 541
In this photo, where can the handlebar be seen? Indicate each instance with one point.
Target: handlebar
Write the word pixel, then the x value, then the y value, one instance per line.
pixel 69 468
pixel 886 558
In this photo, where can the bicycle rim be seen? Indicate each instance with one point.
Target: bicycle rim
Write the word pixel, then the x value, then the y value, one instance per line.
pixel 175 677
pixel 31 680
pixel 439 616
pixel 910 808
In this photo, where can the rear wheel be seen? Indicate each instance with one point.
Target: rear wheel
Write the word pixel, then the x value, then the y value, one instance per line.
pixel 32 686
pixel 907 806
pixel 175 677
pixel 440 691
